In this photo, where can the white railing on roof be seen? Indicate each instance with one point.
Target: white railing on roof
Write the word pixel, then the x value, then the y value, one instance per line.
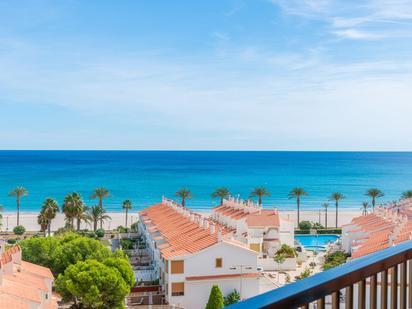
pixel 246 205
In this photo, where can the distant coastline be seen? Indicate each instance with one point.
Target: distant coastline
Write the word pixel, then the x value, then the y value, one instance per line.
pixel 144 176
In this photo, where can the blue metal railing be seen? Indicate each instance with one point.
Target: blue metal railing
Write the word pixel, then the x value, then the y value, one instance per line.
pixel 330 282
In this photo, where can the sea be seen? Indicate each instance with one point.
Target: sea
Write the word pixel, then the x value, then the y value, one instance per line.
pixel 145 176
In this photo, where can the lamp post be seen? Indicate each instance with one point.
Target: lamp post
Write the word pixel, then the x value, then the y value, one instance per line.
pixel 241 267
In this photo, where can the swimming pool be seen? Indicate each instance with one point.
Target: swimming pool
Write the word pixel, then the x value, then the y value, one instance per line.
pixel 315 242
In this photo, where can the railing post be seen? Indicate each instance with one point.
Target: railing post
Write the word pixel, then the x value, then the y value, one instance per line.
pixel 349 297
pixel 394 287
pixel 373 292
pixel 384 289
pixel 410 283
pixel 335 300
pixel 402 300
pixel 361 294
pixel 320 303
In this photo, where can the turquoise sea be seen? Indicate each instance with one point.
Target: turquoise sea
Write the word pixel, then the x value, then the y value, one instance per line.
pixel 144 176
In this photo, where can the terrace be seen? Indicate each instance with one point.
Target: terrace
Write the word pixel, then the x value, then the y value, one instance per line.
pixel 379 280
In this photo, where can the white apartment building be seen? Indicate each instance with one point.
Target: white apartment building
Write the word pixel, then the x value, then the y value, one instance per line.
pixel 192 253
pixel 262 230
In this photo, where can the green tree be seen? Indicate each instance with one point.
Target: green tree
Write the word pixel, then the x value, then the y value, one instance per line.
pixel 260 193
pixel 374 194
pixel 49 210
pixel 127 205
pixel 215 299
pixel 221 193
pixel 123 266
pixel 297 193
pixel 337 197
pixel 92 284
pixel 407 194
pixel 39 250
pixel 100 193
pixel 325 206
pixel 18 192
pixel 364 208
pixel 232 298
pixel 184 194
pixel 97 214
pixel 78 249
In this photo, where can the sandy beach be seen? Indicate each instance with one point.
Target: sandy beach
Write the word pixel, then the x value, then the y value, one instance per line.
pixel 29 220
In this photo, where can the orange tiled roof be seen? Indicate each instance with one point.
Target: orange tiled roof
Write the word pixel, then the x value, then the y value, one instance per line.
pixel 264 218
pixel 182 235
pixel 8 301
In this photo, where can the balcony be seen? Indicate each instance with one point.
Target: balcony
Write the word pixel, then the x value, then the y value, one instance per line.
pixel 380 280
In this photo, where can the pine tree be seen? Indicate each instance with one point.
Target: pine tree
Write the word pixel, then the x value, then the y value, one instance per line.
pixel 215 299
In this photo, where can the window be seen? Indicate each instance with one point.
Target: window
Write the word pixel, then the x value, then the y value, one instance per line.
pixel 218 263
pixel 178 267
pixel 178 288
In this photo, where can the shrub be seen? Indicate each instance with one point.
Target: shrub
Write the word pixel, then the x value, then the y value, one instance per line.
pixel 134 227
pixel 302 232
pixel 11 241
pixel 330 231
pixel 215 299
pixel 232 298
pixel 304 274
pixel 122 229
pixel 100 233
pixel 127 244
pixel 305 225
pixel 287 251
pixel 19 230
pixel 334 259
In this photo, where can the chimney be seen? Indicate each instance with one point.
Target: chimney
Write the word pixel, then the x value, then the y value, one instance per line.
pixel 219 235
pixel 192 217
pixel 212 228
pixel 16 255
pixel 201 222
pixel 206 224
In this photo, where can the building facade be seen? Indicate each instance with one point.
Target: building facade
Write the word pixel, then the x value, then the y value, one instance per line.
pixel 191 253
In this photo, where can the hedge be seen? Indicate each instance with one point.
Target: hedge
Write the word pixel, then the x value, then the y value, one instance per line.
pixel 320 231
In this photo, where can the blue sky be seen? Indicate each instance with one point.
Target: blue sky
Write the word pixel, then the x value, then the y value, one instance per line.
pixel 280 74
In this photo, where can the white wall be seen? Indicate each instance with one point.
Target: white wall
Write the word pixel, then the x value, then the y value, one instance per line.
pixel 197 292
pixel 203 264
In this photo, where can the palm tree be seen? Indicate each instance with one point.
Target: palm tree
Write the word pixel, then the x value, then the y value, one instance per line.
pixel 336 196
pixel 260 192
pixel 18 192
pixel 96 214
pixel 364 208
pixel 325 206
pixel 74 208
pixel 100 193
pixel 221 193
pixel 127 204
pixel 297 193
pixel 374 193
pixel 43 222
pixel 407 194
pixel 49 210
pixel 184 194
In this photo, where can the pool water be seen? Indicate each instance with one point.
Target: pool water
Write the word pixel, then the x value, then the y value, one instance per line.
pixel 316 242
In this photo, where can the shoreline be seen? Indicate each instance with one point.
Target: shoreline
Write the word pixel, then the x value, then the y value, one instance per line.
pixel 29 219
